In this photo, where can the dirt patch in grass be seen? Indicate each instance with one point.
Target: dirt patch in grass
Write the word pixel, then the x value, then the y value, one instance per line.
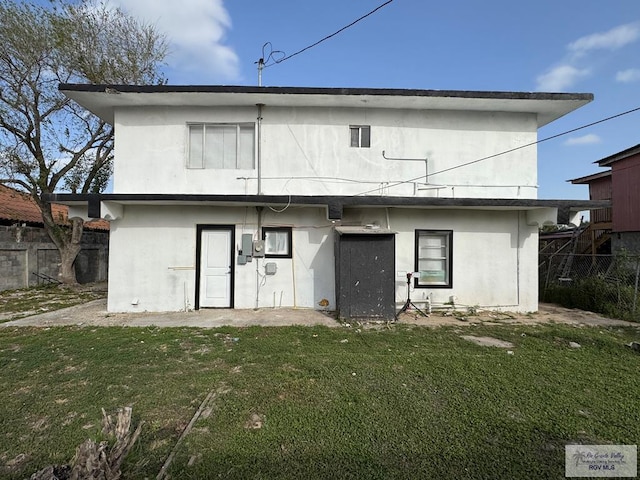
pixel 547 313
pixel 25 302
pixel 488 341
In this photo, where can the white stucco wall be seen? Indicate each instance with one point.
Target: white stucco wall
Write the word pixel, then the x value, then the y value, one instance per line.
pixel 152 263
pixel 153 255
pixel 306 151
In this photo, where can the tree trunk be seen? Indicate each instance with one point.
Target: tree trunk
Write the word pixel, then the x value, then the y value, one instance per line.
pixel 68 254
pixel 67 238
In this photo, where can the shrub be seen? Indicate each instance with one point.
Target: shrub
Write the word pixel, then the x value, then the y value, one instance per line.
pixel 596 294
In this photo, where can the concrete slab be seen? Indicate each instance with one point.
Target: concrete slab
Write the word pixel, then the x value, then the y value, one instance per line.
pixel 95 314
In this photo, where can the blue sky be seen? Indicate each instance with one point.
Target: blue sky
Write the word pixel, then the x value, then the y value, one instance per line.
pixel 499 45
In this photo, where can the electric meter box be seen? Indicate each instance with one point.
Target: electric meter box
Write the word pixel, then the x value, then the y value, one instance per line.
pixel 258 248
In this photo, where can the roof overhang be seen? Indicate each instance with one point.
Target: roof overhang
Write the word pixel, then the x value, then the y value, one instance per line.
pixel 590 178
pixel 103 100
pixel 110 206
pixel 629 152
pixel 363 230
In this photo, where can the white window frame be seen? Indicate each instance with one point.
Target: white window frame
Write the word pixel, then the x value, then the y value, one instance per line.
pixel 363 140
pixel 442 254
pixel 202 163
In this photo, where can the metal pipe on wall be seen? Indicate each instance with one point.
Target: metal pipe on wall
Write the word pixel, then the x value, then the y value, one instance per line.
pixel 259 147
pixel 259 234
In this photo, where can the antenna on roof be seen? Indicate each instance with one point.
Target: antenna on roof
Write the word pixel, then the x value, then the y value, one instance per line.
pixel 276 56
pixel 260 63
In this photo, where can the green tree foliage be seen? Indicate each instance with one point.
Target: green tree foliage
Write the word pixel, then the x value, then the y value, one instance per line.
pixel 48 142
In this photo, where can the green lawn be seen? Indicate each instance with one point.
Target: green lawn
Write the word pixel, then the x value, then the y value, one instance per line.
pixel 404 402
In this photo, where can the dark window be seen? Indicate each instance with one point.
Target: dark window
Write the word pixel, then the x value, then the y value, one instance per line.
pixel 277 242
pixel 360 136
pixel 434 258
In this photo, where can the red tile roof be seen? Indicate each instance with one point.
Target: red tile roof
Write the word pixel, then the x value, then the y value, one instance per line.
pixel 20 207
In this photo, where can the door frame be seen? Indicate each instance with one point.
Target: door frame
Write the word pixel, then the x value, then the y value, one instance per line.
pixel 232 230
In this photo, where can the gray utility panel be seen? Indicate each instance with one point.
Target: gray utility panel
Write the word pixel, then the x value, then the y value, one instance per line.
pixel 365 267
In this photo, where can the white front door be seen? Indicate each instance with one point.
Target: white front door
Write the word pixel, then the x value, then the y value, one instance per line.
pixel 215 268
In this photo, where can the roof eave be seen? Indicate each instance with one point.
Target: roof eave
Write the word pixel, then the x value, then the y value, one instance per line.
pixel 629 152
pixel 102 100
pixel 589 178
pixel 323 200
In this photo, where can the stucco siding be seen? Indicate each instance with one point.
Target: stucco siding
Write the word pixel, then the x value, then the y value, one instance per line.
pixel 307 151
pixel 152 264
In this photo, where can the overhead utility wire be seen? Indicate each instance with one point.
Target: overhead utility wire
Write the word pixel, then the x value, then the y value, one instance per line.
pixel 506 151
pixel 330 36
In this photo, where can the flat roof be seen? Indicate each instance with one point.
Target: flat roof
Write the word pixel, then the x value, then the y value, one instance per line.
pixel 102 100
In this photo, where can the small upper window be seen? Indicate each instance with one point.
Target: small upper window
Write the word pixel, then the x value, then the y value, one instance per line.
pixel 434 250
pixel 277 242
pixel 221 146
pixel 360 136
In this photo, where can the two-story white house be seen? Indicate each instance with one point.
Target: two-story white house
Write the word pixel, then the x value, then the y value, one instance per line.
pixel 325 198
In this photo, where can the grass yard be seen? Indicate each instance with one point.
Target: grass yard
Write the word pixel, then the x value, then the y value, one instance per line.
pixel 300 402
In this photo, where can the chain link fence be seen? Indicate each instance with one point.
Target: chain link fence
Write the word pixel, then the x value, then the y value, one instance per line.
pixel 606 284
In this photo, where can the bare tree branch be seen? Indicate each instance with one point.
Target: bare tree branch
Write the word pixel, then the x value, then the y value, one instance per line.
pixel 47 141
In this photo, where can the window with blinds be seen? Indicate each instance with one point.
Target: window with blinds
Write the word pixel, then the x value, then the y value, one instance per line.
pixel 434 258
pixel 221 146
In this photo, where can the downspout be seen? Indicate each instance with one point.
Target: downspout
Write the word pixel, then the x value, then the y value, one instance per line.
pixel 259 147
pixel 259 208
pixel 520 213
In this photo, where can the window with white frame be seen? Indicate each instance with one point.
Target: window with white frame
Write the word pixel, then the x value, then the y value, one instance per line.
pixel 221 146
pixel 277 242
pixel 434 259
pixel 360 136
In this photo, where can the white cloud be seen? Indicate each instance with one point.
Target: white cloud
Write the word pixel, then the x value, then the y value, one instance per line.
pixel 581 52
pixel 560 78
pixel 613 39
pixel 628 76
pixel 195 30
pixel 588 139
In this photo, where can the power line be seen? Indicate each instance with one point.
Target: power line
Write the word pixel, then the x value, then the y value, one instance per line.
pixel 330 36
pixel 505 151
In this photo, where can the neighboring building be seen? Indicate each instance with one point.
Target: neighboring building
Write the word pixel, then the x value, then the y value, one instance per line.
pixel 245 197
pixel 618 227
pixel 27 254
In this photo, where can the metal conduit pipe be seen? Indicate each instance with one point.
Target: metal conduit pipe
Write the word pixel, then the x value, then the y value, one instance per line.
pixel 259 233
pixel 259 147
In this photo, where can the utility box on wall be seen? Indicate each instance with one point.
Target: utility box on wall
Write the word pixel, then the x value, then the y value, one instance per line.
pixel 365 269
pixel 258 248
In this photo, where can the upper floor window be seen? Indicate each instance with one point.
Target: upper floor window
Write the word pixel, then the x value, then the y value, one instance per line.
pixel 229 146
pixel 434 254
pixel 360 136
